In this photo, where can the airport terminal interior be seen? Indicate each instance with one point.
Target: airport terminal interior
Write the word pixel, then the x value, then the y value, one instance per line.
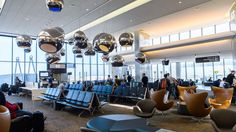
pixel 117 65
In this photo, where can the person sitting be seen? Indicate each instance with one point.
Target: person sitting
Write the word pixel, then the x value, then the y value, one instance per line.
pixel 191 82
pixel 15 109
pixel 109 80
pixel 62 90
pixel 217 83
pixel 224 84
pixel 210 79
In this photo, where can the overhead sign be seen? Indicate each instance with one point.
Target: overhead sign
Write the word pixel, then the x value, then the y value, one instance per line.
pixel 207 59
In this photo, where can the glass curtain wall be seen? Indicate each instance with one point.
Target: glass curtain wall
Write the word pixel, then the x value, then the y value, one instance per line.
pixel 200 72
pixel 15 62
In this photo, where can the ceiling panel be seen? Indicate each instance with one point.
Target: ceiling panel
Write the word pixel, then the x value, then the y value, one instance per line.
pixel 152 10
pixel 31 16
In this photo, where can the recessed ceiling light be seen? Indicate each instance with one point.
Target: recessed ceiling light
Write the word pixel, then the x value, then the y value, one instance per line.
pixel 180 2
pixel 27 19
pixel 87 9
pixel 72 5
pixel 130 20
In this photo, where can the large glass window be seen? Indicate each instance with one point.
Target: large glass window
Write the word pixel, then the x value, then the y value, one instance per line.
pixel 199 72
pixel 218 70
pixel 190 70
pixel 208 30
pixel 5 48
pixel 228 66
pixel 160 71
pixel 182 70
pixel 5 72
pixel 196 33
pixel 154 72
pixel 184 35
pixel 156 40
pixel 173 70
pixel 208 70
pixel 222 27
pixel 174 37
pixel 165 39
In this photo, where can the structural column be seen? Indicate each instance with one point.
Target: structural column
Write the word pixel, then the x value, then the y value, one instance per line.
pixel 136 50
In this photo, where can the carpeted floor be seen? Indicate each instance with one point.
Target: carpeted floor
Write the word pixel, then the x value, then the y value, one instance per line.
pixel 69 121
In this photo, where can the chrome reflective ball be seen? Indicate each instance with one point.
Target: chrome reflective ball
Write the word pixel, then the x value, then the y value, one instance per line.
pixel 51 40
pixel 126 39
pixel 55 5
pixel 117 61
pixel 90 51
pixel 95 42
pixel 80 39
pixel 76 50
pixel 53 58
pixel 140 58
pixel 23 41
pixel 105 58
pixel 79 55
pixel 106 43
pixel 27 50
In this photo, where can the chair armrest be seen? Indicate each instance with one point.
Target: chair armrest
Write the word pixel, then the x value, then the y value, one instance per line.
pixel 136 109
pixel 216 104
pixel 181 98
pixel 17 119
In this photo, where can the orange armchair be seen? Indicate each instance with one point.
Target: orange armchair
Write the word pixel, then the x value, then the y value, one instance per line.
pixel 222 98
pixel 182 89
pixel 195 104
pixel 158 98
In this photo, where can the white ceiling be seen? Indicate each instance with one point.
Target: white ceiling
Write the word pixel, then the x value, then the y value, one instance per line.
pixel 31 16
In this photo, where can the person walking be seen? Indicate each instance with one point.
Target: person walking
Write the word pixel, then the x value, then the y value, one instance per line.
pixel 144 80
pixel 230 78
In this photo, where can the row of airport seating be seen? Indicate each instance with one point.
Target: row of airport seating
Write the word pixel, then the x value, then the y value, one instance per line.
pixel 51 94
pixel 81 100
pixel 75 86
pixel 102 89
pixel 130 92
pixel 75 98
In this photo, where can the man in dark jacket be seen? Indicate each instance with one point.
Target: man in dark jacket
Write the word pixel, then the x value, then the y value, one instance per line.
pixel 144 80
pixel 230 78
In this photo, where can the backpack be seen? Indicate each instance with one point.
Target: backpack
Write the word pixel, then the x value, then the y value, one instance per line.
pixel 38 121
pixel 163 84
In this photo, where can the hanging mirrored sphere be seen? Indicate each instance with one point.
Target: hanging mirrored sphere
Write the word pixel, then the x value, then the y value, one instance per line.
pixel 105 58
pixel 27 50
pixel 95 42
pixel 106 43
pixel 62 52
pixel 126 39
pixel 76 50
pixel 23 41
pixel 140 58
pixel 51 40
pixel 79 55
pixel 80 39
pixel 55 5
pixel 53 58
pixel 90 51
pixel 117 61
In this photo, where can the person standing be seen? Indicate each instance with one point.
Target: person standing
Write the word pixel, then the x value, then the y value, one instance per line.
pixel 172 85
pixel 230 78
pixel 145 80
pixel 129 78
pixel 109 80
